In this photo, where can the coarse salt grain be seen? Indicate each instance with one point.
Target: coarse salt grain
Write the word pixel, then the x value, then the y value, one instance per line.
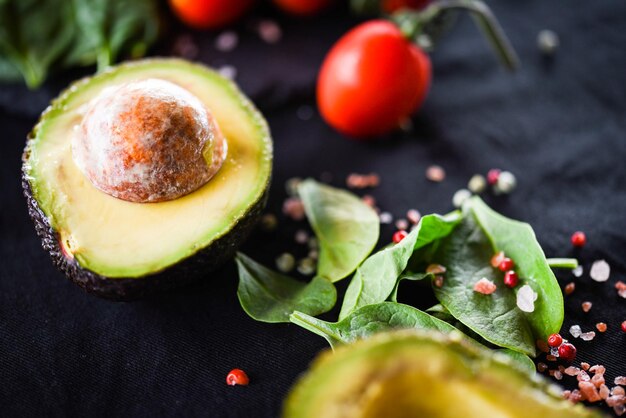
pixel 601 326
pixel 585 366
pixel 620 380
pixel 228 71
pixel 600 271
pixel 306 266
pixel 484 286
pixel 572 371
pixel 583 376
pixel 621 289
pixel 301 237
pixel 293 208
pixel 604 391
pixel 369 200
pixel 569 288
pixel 226 41
pixel 575 331
pixel 526 298
pixel 285 262
pixel 506 182
pixel 477 183
pixel 542 367
pixel 598 380
pixel 586 306
pixel 438 281
pixel 460 196
pixel 385 218
pixel 618 390
pixel 589 391
pixel 598 369
pixel 578 271
pixel 588 336
pixel 413 216
pixel 435 173
pixel 550 357
pixel 402 224
pixel 269 31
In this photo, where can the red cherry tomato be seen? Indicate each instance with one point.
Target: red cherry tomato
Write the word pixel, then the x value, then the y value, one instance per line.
pixel 302 8
pixel 371 80
pixel 390 6
pixel 209 14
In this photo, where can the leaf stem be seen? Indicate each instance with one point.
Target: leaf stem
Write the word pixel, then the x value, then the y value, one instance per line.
pixel 562 263
pixel 304 321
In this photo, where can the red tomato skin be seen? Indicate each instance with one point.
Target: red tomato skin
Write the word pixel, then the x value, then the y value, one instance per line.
pixel 303 8
pixel 390 6
pixel 209 14
pixel 371 80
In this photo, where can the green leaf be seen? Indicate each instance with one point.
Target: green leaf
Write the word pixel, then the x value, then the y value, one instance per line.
pixel 268 296
pixel 369 320
pixel 518 242
pixel 375 280
pixel 106 29
pixel 414 277
pixel 522 360
pixel 34 34
pixel 466 254
pixel 347 229
pixel 562 263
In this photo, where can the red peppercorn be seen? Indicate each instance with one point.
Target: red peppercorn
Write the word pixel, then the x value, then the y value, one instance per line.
pixel 497 259
pixel 567 352
pixel 237 377
pixel 624 326
pixel 578 239
pixel 555 340
pixel 399 236
pixel 510 279
pixel 492 175
pixel 506 264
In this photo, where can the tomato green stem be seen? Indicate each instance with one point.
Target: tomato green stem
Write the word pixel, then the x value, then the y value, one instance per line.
pixel 412 24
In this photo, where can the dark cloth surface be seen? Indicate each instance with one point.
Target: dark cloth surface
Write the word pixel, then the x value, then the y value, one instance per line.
pixel 559 125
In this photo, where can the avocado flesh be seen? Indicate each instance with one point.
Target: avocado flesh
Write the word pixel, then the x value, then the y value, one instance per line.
pixel 409 374
pixel 117 239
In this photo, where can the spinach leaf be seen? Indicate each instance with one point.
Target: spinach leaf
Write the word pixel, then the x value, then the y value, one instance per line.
pixel 369 320
pixel 107 28
pixel 268 296
pixel 40 36
pixel 466 253
pixel 376 278
pixel 414 277
pixel 522 360
pixel 518 242
pixel 347 229
pixel 34 35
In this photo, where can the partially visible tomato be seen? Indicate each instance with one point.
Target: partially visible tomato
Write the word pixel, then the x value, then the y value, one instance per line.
pixel 209 14
pixel 371 80
pixel 303 8
pixel 390 6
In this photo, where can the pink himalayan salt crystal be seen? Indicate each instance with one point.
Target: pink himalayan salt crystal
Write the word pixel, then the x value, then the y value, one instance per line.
pixel 551 357
pixel 598 369
pixel 435 173
pixel 402 224
pixel 572 371
pixel 413 216
pixel 542 367
pixel 585 366
pixel 556 374
pixel 583 376
pixel 621 289
pixel 294 208
pixel 604 391
pixel 586 306
pixel 600 271
pixel 569 288
pixel 618 390
pixel 589 391
pixel 620 380
pixel 566 394
pixel 615 400
pixel 438 281
pixel 588 336
pixel 575 396
pixel 369 200
pixel 598 380
pixel 484 286
pixel 362 181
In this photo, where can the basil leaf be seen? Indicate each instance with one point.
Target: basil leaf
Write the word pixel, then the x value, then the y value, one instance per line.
pixel 268 296
pixel 369 320
pixel 466 254
pixel 414 277
pixel 376 278
pixel 347 229
pixel 518 242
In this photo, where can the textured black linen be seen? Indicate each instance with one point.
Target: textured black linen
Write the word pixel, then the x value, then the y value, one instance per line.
pixel 559 125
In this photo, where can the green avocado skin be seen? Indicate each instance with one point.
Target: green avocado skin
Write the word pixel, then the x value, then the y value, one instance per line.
pixel 187 271
pixel 195 267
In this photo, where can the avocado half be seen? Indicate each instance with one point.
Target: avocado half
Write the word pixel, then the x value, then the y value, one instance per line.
pixel 124 250
pixel 417 374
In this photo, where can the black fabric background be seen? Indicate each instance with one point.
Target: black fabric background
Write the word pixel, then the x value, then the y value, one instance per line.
pixel 559 125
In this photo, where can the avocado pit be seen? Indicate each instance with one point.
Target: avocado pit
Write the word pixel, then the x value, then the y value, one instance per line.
pixel 148 141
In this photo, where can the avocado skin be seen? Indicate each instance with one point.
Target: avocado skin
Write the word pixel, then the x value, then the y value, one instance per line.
pixel 186 271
